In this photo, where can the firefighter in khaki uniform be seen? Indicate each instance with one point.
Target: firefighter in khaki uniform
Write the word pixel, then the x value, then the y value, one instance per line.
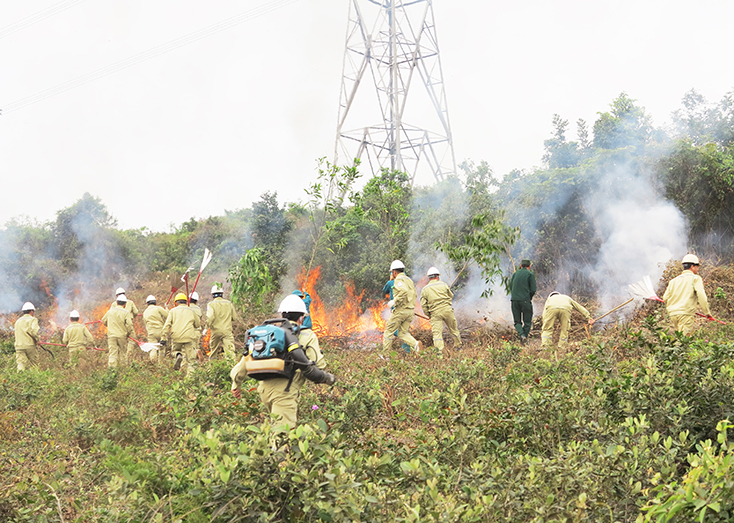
pixel 133 310
pixel 76 338
pixel 683 294
pixel 275 393
pixel 183 324
pixel 558 307
pixel 219 316
pixel 27 333
pixel 154 317
pixel 436 301
pixel 119 325
pixel 403 305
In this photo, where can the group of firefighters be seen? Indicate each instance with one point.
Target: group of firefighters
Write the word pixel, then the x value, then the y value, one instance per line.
pixel 683 295
pixel 183 325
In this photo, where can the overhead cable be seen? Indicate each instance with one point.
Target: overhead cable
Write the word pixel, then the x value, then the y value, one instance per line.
pixel 38 17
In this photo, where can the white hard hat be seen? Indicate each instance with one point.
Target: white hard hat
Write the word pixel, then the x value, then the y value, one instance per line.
pixel 217 289
pixel 150 298
pixel 397 264
pixel 691 258
pixel 74 314
pixel 28 306
pixel 122 297
pixel 553 293
pixel 194 296
pixel 119 291
pixel 292 303
pixel 433 271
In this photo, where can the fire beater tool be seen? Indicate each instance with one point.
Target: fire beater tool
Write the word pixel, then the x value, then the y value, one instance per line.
pixel 644 289
pixel 146 347
pixel 607 314
pixel 174 287
pixel 62 345
pixel 710 318
pixel 185 279
pixel 204 262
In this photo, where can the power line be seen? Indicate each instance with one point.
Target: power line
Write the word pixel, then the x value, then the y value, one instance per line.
pixel 147 55
pixel 38 16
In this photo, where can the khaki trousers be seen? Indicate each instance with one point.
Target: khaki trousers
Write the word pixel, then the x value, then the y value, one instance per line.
pixel 438 318
pixel 26 357
pixel 224 341
pixel 118 353
pixel 399 321
pixel 188 350
pixel 550 315
pixel 685 323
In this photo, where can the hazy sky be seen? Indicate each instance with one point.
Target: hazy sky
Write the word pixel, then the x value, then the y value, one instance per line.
pixel 212 125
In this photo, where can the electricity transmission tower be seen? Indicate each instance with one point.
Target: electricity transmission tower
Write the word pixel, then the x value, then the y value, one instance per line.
pixel 392 105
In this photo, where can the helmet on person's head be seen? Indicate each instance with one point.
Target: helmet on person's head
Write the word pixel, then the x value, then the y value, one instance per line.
pixel 122 298
pixel 217 289
pixel 691 258
pixel 28 306
pixel 433 271
pixel 292 303
pixel 553 293
pixel 194 296
pixel 150 299
pixel 74 315
pixel 397 264
pixel 119 291
pixel 180 297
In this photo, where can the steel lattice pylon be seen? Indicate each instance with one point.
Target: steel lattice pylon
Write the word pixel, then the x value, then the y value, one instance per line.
pixel 400 44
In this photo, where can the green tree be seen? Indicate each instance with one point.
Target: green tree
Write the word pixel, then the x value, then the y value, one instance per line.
pixel 270 228
pixel 488 240
pixel 625 125
pixel 83 226
pixel 253 286
pixel 560 153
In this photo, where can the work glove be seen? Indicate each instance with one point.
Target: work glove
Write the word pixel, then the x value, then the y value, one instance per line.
pixel 391 303
pixel 329 379
pixel 203 333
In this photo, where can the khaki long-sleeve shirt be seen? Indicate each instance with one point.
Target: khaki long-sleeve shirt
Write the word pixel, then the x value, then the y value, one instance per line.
pixel 219 315
pixel 182 323
pixel 129 307
pixel 561 301
pixel 27 332
pixel 154 318
pixel 119 322
pixel 436 296
pixel 404 292
pixel 684 292
pixel 77 336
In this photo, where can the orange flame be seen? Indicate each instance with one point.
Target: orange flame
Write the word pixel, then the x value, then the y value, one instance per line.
pixel 348 319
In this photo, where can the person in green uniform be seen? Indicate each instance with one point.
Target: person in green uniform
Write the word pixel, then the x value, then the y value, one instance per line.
pixel 219 316
pixel 182 325
pixel 27 334
pixel 522 290
pixel 558 307
pixel 684 294
pixel 154 318
pixel 403 309
pixel 275 394
pixel 436 301
pixel 119 323
pixel 76 338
